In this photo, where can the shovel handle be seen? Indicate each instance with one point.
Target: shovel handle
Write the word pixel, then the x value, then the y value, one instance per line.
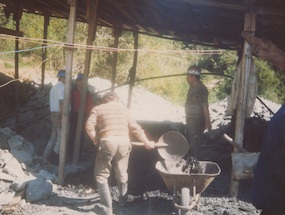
pixel 158 145
pixel 230 140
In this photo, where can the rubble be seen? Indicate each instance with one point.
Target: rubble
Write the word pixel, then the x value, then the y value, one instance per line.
pixel 15 168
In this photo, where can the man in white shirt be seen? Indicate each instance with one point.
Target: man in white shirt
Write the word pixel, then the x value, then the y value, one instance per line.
pixel 56 98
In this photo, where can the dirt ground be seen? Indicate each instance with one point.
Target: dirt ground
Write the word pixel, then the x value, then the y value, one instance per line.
pixel 148 194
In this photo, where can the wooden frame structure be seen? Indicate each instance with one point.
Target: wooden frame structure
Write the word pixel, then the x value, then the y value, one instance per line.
pixel 215 23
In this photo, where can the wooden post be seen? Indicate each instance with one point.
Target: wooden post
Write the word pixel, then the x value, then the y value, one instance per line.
pixel 44 50
pixel 16 17
pixel 249 26
pixel 91 37
pixel 66 102
pixel 115 55
pixel 132 72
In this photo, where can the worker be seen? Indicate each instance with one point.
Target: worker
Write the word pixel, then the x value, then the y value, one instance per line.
pixel 268 186
pixel 196 110
pixel 56 98
pixel 75 99
pixel 109 125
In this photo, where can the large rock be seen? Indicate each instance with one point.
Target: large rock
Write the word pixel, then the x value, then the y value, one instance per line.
pixel 14 168
pixel 18 185
pixel 5 134
pixel 5 156
pixel 5 177
pixel 6 197
pixel 16 142
pixel 38 189
pixel 22 156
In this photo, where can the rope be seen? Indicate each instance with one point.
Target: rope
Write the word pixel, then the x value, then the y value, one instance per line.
pixel 43 42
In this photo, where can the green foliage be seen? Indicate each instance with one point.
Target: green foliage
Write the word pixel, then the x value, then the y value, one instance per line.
pixel 6 45
pixel 220 69
pixel 270 83
pixel 8 65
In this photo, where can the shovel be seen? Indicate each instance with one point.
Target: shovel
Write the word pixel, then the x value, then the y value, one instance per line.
pixel 156 145
pixel 171 146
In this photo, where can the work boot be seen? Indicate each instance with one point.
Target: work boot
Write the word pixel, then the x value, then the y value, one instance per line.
pixel 123 192
pixel 105 208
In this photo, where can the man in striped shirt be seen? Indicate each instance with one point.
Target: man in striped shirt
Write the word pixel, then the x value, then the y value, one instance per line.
pixel 108 126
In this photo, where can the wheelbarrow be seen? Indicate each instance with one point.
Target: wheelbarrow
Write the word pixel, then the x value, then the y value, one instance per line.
pixel 186 187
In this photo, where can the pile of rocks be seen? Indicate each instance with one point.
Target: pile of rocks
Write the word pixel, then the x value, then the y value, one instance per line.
pixel 19 175
pixel 23 177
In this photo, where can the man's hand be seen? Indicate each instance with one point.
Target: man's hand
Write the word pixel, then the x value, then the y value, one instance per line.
pixel 95 141
pixel 208 125
pixel 149 145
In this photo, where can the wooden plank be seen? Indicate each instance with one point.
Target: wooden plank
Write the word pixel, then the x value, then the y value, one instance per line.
pixel 11 32
pixel 132 71
pixel 249 25
pixel 17 96
pixel 266 50
pixel 44 50
pixel 122 10
pixel 257 10
pixel 67 86
pixel 117 34
pixel 91 36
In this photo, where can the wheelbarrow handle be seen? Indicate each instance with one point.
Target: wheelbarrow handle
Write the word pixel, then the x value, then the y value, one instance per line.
pixel 157 145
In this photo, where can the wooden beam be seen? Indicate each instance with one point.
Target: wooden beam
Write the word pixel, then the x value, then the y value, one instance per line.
pixel 67 86
pixel 266 50
pixel 44 50
pixel 117 34
pixel 90 38
pixel 11 32
pixel 249 25
pixel 257 10
pixel 132 72
pixel 121 9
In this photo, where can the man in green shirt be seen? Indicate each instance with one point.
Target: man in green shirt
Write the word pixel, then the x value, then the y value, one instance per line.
pixel 196 110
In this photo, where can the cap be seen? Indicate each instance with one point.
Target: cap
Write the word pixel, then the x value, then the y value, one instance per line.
pixel 193 70
pixel 79 76
pixel 61 73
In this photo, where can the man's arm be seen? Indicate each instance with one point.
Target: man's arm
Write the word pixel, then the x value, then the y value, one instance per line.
pixel 61 106
pixel 148 144
pixel 90 126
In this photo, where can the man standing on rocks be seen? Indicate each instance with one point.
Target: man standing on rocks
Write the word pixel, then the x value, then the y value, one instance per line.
pixel 196 110
pixel 109 125
pixel 56 98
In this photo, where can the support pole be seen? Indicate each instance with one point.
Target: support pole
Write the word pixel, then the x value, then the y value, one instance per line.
pixel 67 85
pixel 133 70
pixel 44 50
pixel 115 55
pixel 249 26
pixel 16 17
pixel 91 37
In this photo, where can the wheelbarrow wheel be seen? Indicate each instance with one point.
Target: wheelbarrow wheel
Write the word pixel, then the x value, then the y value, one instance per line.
pixel 185 200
